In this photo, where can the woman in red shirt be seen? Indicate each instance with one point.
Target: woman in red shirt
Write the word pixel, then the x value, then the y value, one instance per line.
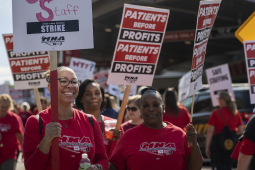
pixel 155 144
pixel 91 100
pixel 11 133
pixel 134 113
pixel 75 133
pixel 226 115
pixel 177 115
pixel 25 112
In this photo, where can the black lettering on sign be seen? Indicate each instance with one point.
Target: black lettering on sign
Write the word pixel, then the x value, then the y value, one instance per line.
pixel 253 89
pixel 52 26
pixel 142 36
pixel 203 34
pixel 28 76
pixel 251 62
pixel 133 68
pixel 219 91
pixel 216 71
pixel 218 79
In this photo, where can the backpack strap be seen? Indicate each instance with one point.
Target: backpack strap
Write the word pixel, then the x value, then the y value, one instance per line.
pixel 91 121
pixel 224 120
pixel 40 123
pixel 102 123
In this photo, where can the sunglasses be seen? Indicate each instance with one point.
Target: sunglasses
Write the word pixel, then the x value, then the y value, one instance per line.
pixel 133 109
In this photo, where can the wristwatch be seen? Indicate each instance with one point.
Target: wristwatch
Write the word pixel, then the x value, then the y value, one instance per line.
pixel 99 167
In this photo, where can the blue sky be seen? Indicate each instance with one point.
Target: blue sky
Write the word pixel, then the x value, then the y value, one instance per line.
pixel 5 28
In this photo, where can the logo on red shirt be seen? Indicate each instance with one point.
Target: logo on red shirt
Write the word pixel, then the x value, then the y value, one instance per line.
pixel 158 148
pixel 4 127
pixel 75 144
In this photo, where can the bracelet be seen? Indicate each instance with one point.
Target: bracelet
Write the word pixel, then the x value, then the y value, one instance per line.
pixel 99 167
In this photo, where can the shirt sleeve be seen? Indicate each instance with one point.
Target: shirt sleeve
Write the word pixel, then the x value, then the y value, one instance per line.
pixel 100 153
pixel 34 158
pixel 212 119
pixel 118 158
pixel 247 147
pixel 235 153
pixel 113 143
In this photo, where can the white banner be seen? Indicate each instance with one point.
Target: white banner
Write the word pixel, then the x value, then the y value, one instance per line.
pixel 183 87
pixel 207 13
pixel 138 45
pixel 83 69
pixel 249 50
pixel 46 25
pixel 4 88
pixel 219 80
pixel 118 90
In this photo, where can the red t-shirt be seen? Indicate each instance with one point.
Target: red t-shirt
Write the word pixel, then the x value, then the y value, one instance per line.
pixel 9 126
pixel 75 140
pixel 35 111
pixel 145 148
pixel 127 126
pixel 24 116
pixel 181 120
pixel 109 145
pixel 247 147
pixel 217 121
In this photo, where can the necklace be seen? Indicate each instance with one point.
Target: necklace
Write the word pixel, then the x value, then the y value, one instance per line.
pixel 65 123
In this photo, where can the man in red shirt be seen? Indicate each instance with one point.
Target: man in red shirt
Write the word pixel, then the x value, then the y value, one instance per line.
pixel 11 133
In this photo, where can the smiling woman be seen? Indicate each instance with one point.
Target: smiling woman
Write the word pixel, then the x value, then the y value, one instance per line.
pixel 76 135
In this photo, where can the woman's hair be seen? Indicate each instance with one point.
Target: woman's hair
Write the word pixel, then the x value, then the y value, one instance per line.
pixel 114 103
pixel 6 98
pixel 108 101
pixel 136 99
pixel 82 89
pixel 228 100
pixel 25 104
pixel 47 73
pixel 170 100
pixel 150 89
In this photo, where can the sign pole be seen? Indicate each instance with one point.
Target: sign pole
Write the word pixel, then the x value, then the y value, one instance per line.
pixel 192 107
pixel 54 106
pixel 123 106
pixel 37 99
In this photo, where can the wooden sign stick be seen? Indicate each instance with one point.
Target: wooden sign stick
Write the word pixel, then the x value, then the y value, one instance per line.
pixel 54 106
pixel 37 99
pixel 123 107
pixel 192 107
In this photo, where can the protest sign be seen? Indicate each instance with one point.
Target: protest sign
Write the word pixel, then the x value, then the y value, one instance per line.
pixel 207 13
pixel 183 87
pixel 4 88
pixel 249 50
pixel 118 90
pixel 27 67
pixel 55 25
pixel 219 80
pixel 101 78
pixel 16 95
pixel 83 68
pixel 138 45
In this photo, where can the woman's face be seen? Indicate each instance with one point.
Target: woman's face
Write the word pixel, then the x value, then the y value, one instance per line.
pixel 4 107
pixel 152 110
pixel 92 97
pixel 133 111
pixel 66 95
pixel 222 102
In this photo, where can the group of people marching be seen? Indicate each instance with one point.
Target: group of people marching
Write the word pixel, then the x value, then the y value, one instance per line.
pixel 157 134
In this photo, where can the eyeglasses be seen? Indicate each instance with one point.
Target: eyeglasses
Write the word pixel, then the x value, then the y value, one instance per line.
pixel 133 109
pixel 65 82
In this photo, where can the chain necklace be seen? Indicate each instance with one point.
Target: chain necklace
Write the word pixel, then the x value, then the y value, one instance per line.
pixel 65 123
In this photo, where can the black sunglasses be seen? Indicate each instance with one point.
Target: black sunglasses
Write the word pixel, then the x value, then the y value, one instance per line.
pixel 133 109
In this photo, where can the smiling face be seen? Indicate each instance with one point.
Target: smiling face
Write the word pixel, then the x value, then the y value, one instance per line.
pixel 152 110
pixel 92 98
pixel 66 95
pixel 132 113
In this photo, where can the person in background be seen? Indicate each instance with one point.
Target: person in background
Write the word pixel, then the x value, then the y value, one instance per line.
pixel 91 100
pixel 108 110
pixel 16 108
pixel 11 134
pixel 25 112
pixel 227 115
pixel 175 114
pixel 44 103
pixel 114 104
pixel 155 144
pixel 133 111
pixel 75 134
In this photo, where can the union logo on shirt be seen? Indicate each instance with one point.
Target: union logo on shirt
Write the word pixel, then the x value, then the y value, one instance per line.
pixel 4 127
pixel 75 144
pixel 158 148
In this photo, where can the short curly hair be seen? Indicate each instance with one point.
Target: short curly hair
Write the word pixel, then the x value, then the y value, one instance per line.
pixel 82 89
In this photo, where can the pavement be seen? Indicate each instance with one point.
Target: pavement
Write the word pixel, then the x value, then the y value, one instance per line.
pixel 20 165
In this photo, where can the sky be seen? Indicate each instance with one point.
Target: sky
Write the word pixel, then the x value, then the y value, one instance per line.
pixel 5 28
